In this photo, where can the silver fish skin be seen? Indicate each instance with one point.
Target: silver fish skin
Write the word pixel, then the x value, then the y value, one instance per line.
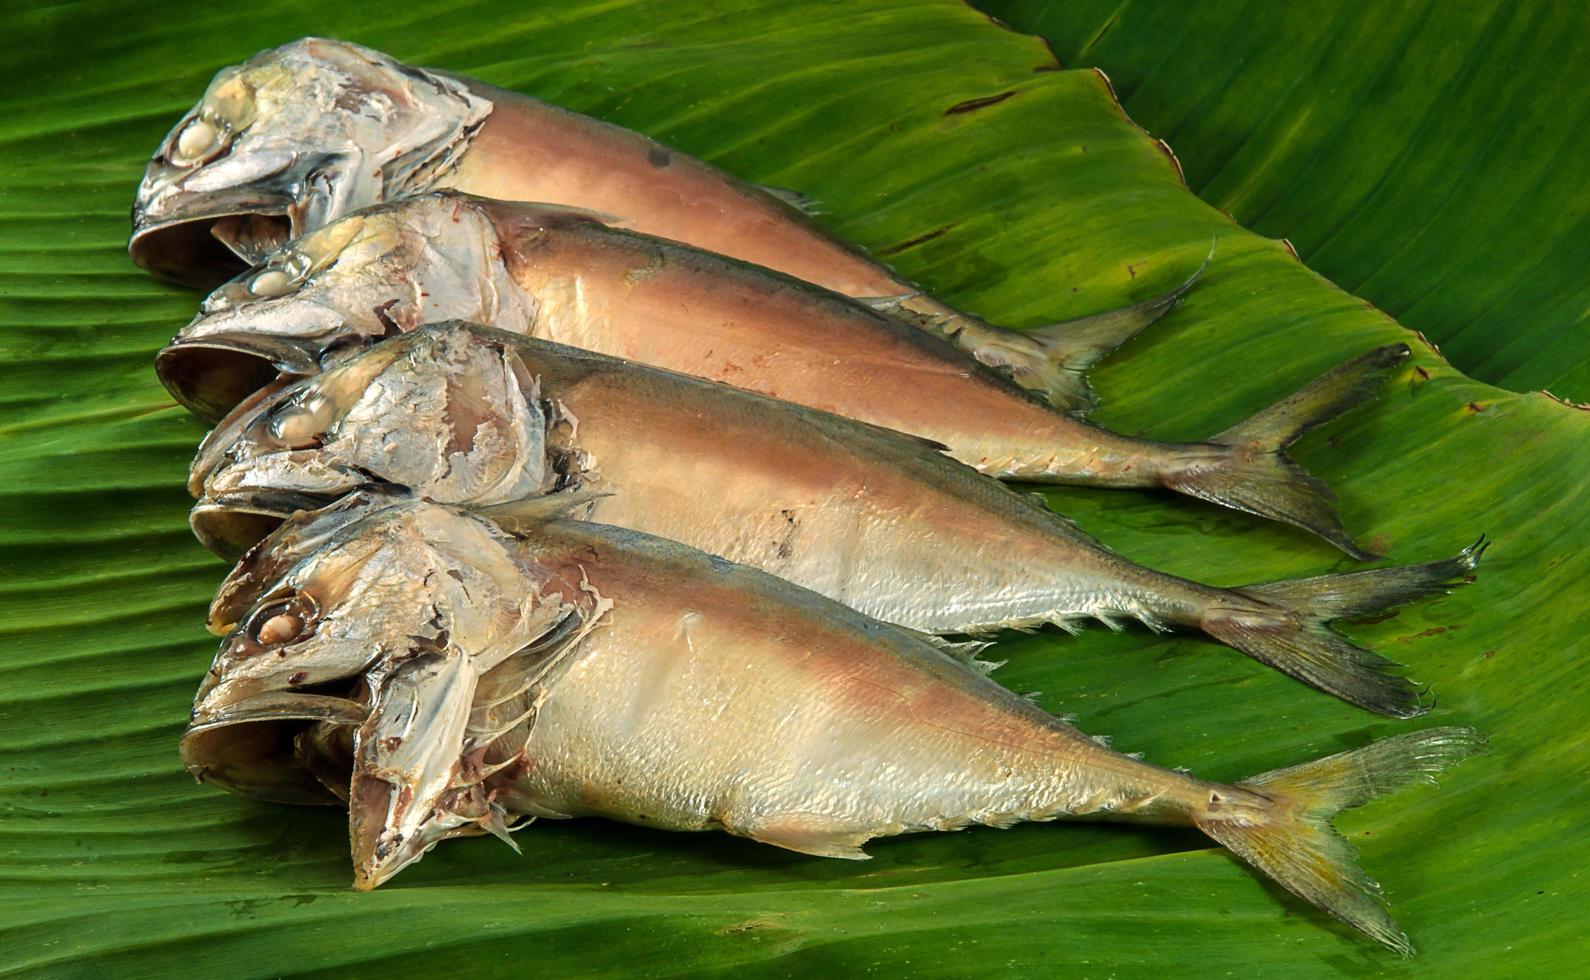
pixel 882 522
pixel 574 669
pixel 303 134
pixel 569 278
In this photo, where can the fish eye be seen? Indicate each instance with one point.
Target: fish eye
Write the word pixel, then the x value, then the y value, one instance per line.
pixel 200 141
pixel 270 284
pixel 280 277
pixel 282 622
pixel 301 422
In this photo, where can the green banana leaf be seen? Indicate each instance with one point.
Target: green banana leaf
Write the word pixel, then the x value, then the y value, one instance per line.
pixel 1425 155
pixel 956 149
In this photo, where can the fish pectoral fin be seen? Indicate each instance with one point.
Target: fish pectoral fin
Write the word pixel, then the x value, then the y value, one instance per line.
pixel 808 833
pixel 519 517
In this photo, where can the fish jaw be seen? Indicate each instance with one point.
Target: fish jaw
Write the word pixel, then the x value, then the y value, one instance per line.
pixel 210 373
pixel 247 747
pixel 294 137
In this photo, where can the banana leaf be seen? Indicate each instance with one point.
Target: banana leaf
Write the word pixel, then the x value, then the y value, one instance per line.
pixel 1425 155
pixel 959 151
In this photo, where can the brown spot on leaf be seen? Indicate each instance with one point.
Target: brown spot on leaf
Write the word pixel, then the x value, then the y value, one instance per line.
pixel 749 925
pixel 1432 631
pixel 918 240
pixel 1476 407
pixel 1379 544
pixel 972 105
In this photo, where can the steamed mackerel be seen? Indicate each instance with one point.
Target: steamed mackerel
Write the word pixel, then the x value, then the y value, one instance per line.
pixel 302 134
pixel 880 521
pixel 573 669
pixel 569 278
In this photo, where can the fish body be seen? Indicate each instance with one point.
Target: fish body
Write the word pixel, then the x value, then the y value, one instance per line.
pixel 569 278
pixel 574 669
pixel 305 133
pixel 882 522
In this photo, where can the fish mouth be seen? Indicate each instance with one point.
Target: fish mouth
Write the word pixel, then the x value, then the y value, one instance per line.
pixel 255 746
pixel 201 252
pixel 231 524
pixel 210 375
pixel 204 238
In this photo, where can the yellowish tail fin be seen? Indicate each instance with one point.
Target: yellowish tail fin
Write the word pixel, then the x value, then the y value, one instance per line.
pixel 1052 361
pixel 1070 349
pixel 1292 841
pixel 1254 474
pixel 1287 625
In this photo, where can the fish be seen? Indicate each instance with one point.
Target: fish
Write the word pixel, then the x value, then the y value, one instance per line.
pixel 302 134
pixel 569 278
pixel 442 675
pixel 882 522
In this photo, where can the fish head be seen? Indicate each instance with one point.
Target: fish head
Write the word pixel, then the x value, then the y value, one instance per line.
pixel 409 629
pixel 378 272
pixel 450 411
pixel 285 142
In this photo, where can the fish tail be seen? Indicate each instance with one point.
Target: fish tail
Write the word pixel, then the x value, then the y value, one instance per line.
pixel 1286 625
pixel 1051 360
pixel 1290 837
pixel 1252 473
pixel 1054 359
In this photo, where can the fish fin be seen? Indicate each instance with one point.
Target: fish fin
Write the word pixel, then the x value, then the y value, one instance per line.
pixel 1255 474
pixel 1072 347
pixel 904 439
pixel 795 199
pixel 1288 628
pixel 521 219
pixel 496 823
pixel 518 516
pixel 808 833
pixel 965 651
pixel 1294 842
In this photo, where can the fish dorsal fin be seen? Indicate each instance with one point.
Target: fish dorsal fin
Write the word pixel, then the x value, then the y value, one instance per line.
pixel 795 199
pixel 518 516
pixel 921 442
